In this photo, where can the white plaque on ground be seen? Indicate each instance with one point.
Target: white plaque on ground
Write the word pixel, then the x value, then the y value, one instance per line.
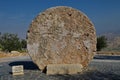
pixel 17 70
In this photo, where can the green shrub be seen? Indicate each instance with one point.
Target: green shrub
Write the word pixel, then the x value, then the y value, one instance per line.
pixel 24 44
pixel 101 43
pixel 10 42
pixel 0 47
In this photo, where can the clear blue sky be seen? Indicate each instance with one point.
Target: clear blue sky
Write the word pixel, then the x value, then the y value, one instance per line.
pixel 16 15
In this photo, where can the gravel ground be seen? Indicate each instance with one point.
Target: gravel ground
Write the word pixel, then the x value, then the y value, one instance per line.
pixel 100 68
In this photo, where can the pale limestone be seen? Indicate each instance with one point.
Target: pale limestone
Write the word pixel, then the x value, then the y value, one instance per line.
pixel 14 52
pixel 53 69
pixel 18 70
pixel 61 35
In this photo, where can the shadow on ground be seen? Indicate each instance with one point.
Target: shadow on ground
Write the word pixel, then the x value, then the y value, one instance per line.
pixel 28 65
pixel 104 57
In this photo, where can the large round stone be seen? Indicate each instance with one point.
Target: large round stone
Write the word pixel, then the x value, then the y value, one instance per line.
pixel 61 35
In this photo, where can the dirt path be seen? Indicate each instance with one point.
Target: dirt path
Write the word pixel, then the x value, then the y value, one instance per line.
pixel 17 58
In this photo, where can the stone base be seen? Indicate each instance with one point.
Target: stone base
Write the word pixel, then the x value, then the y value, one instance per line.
pixel 53 69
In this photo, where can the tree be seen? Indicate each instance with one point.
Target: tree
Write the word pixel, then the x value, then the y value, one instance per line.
pixel 10 42
pixel 0 47
pixel 101 43
pixel 24 43
pixel 0 42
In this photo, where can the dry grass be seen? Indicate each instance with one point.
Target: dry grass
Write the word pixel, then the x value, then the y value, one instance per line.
pixel 109 52
pixel 3 54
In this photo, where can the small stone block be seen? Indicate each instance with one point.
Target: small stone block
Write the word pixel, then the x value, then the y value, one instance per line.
pixel 53 69
pixel 17 70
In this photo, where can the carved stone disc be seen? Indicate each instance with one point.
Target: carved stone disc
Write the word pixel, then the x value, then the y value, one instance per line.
pixel 61 35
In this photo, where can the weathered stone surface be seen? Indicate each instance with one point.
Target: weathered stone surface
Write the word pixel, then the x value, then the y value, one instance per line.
pixel 63 69
pixel 61 35
pixel 17 70
pixel 13 52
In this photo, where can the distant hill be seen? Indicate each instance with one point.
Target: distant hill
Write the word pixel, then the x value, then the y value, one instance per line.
pixel 113 41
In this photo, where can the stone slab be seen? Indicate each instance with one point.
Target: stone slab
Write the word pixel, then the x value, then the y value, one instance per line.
pixel 53 69
pixel 17 70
